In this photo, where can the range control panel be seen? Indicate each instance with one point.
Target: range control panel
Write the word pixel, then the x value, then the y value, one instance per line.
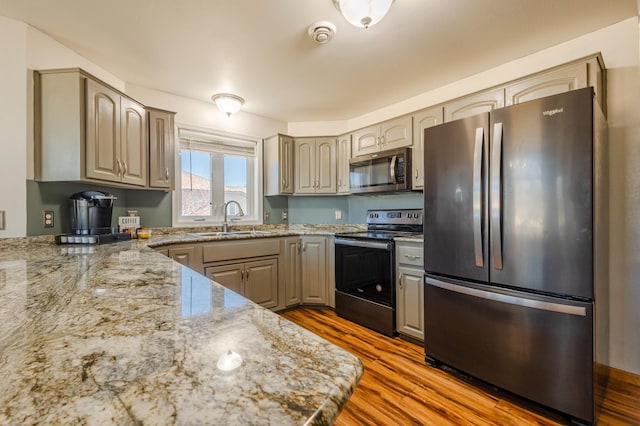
pixel 394 217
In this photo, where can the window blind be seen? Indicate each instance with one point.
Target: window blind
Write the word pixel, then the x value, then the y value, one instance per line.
pixel 222 143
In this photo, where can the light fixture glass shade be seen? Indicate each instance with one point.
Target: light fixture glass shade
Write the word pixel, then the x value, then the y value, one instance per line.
pixel 363 13
pixel 228 103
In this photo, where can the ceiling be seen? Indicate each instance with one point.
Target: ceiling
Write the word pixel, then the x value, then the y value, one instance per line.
pixel 260 49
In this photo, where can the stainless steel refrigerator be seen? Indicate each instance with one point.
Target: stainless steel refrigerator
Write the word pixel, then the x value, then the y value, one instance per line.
pixel 516 249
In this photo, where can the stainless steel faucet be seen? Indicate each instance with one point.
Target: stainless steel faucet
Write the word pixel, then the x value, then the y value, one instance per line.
pixel 225 224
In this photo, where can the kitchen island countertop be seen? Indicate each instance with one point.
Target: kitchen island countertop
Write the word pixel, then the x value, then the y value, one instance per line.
pixel 120 334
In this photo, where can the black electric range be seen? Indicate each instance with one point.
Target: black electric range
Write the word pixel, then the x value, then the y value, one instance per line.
pixel 365 268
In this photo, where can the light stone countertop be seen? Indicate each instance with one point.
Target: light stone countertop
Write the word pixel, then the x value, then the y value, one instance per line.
pixel 120 334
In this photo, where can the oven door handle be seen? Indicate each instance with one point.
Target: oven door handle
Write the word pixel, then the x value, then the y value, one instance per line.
pixel 363 243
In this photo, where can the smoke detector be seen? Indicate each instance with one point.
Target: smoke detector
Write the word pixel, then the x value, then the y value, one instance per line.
pixel 322 31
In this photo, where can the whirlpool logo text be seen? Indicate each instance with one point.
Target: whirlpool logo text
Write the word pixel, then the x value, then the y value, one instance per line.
pixel 552 112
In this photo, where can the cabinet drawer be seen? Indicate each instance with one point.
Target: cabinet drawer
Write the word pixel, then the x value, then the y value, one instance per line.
pixel 229 250
pixel 410 255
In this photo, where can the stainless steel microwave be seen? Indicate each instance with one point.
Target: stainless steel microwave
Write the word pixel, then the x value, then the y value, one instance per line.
pixel 385 171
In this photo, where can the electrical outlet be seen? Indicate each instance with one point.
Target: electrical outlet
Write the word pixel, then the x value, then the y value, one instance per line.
pixel 338 214
pixel 47 218
pixel 267 215
pixel 285 215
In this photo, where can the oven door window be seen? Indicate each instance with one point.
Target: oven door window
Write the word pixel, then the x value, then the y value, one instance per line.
pixel 366 273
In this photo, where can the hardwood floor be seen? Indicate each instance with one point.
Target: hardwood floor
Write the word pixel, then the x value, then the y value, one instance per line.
pixel 398 388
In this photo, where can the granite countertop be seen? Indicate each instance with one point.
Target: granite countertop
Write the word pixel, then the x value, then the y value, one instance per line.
pixel 120 334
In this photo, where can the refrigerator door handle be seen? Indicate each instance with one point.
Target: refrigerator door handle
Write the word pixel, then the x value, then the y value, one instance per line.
pixel 477 197
pixel 496 195
pixel 512 300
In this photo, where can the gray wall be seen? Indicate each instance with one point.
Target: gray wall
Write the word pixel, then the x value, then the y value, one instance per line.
pixel 154 207
pixel 321 210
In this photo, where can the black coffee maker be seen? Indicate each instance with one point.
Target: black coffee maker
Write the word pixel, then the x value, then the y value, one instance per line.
pixel 90 213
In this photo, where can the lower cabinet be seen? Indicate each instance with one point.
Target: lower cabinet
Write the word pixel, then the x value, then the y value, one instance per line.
pixel 276 273
pixel 188 255
pixel 409 290
pixel 257 280
pixel 315 277
pixel 292 251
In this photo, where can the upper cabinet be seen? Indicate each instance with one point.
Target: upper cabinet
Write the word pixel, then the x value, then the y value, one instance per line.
pixel 476 103
pixel 390 134
pixel 421 120
pixel 278 165
pixel 575 75
pixel 315 165
pixel 344 154
pixel 88 131
pixel 161 149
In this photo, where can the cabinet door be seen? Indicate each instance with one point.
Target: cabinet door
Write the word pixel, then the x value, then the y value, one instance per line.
pixel 183 255
pixel 410 302
pixel 161 149
pixel 102 133
pixel 366 141
pixel 305 166
pixel 474 104
pixel 421 120
pixel 293 274
pixel 326 166
pixel 314 270
pixel 549 83
pixel 286 164
pixel 344 154
pixel 396 133
pixel 231 276
pixel 261 282
pixel 134 145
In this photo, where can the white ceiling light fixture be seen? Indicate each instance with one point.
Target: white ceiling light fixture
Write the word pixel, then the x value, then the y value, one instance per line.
pixel 363 13
pixel 322 31
pixel 228 103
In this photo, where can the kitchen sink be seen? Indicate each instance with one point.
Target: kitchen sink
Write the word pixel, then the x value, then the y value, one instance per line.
pixel 229 233
pixel 248 232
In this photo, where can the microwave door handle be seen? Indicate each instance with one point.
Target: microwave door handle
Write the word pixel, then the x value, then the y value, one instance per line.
pixel 392 170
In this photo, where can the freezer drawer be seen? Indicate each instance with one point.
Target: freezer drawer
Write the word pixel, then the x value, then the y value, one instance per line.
pixel 540 348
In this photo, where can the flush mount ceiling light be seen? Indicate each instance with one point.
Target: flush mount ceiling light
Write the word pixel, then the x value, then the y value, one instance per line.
pixel 228 103
pixel 322 31
pixel 363 13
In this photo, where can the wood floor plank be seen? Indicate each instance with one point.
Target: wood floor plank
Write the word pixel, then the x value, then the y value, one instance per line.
pixel 399 388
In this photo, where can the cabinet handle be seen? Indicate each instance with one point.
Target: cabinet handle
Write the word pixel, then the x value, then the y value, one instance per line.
pixel 284 183
pixel 247 274
pixel 241 274
pixel 119 167
pixel 299 246
pixel 378 143
pixel 411 256
pixel 416 174
pixel 339 182
pixel 382 142
pixel 166 174
pixel 124 163
pixel 400 280
pixel 304 246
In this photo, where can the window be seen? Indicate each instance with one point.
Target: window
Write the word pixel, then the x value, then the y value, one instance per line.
pixel 216 168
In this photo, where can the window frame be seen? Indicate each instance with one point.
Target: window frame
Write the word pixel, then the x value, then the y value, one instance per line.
pixel 257 171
